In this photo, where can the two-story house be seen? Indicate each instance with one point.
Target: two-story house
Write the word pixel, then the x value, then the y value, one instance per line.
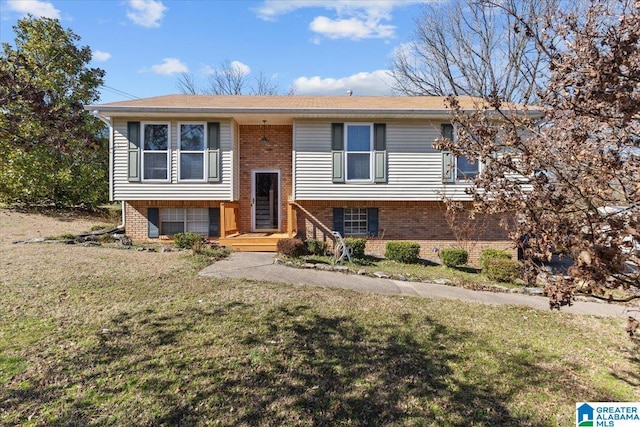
pixel 247 170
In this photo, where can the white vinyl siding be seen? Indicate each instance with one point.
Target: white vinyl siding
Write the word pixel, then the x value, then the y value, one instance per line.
pixel 414 166
pixel 172 188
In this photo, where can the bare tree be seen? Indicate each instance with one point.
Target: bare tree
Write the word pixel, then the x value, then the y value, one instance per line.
pixel 570 169
pixel 466 226
pixel 471 47
pixel 264 86
pixel 229 79
pixel 187 84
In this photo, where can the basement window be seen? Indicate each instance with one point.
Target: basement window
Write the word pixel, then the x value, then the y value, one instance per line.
pixel 355 222
pixel 182 220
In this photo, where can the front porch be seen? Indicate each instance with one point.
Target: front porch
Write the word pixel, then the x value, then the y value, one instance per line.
pixel 257 241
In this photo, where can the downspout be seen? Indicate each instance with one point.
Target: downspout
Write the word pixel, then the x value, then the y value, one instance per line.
pixel 124 212
pixel 107 121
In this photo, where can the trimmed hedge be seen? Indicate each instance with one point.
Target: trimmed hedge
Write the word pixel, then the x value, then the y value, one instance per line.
pixel 188 240
pixel 502 269
pixel 357 244
pixel 291 247
pixel 316 247
pixel 488 254
pixel 404 252
pixel 453 257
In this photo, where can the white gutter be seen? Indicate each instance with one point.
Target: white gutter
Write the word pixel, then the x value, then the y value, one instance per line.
pixel 294 112
pixel 103 119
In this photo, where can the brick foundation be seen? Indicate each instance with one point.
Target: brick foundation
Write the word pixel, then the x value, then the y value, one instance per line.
pixel 421 222
pixel 136 213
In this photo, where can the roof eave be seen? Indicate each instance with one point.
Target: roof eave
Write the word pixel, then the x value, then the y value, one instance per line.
pixel 248 110
pixel 292 113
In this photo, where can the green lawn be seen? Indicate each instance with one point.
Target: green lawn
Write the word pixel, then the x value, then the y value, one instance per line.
pixel 101 336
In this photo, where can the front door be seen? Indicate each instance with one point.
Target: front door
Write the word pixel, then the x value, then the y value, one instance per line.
pixel 266 201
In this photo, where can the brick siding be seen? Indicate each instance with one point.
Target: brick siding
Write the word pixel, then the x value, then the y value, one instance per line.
pixel 421 222
pixel 137 224
pixel 276 155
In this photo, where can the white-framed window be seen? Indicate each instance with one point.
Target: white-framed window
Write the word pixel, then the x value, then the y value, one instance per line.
pixel 358 151
pixel 156 143
pixel 466 169
pixel 182 220
pixel 355 222
pixel 191 154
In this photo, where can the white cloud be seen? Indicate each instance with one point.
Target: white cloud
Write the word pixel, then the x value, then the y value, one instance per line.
pixel 35 7
pixel 364 83
pixel 352 28
pixel 355 19
pixel 147 13
pixel 170 66
pixel 99 55
pixel 240 67
pixel 207 70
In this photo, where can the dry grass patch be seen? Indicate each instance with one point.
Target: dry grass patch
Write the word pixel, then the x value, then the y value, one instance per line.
pixel 99 336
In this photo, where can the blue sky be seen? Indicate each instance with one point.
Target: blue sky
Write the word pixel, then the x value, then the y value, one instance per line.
pixel 318 47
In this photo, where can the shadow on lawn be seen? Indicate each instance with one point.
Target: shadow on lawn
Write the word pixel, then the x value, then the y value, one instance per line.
pixel 631 377
pixel 297 367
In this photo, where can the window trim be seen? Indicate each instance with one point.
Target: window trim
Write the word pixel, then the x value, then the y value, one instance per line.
pixel 456 178
pixel 370 152
pixel 184 221
pixel 205 160
pixel 350 213
pixel 143 125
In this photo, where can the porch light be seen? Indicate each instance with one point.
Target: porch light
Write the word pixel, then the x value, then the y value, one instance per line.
pixel 264 139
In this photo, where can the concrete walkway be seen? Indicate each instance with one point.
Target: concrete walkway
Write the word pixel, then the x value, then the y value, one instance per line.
pixel 260 266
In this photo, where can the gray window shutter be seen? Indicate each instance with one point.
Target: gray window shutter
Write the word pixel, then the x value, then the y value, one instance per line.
pixel 380 152
pixel 213 152
pixel 372 222
pixel 337 136
pixel 338 166
pixel 338 220
pixel 153 222
pixel 133 158
pixel 448 167
pixel 214 222
pixel 448 159
pixel 337 152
